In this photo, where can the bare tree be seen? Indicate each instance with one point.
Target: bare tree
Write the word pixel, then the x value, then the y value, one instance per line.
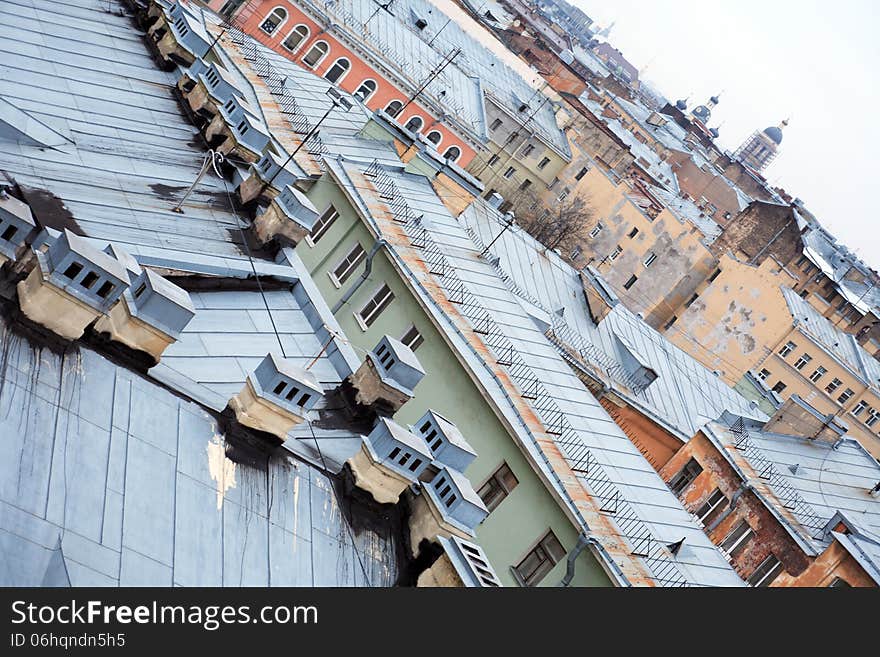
pixel 561 225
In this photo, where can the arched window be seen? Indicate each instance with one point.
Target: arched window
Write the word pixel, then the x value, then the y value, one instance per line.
pixel 366 90
pixel 452 153
pixel 414 124
pixel 338 70
pixel 435 137
pixel 296 38
pixel 316 53
pixel 274 20
pixel 393 108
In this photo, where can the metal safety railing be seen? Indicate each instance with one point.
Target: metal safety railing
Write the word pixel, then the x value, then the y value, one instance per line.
pixel 530 387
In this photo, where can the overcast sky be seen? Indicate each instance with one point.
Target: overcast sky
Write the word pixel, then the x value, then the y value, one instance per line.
pixel 814 62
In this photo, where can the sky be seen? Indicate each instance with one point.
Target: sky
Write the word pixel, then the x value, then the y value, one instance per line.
pixel 812 62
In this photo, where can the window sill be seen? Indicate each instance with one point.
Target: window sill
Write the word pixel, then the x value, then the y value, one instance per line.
pixel 360 322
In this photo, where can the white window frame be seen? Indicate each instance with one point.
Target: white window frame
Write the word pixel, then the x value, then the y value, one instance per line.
pixel 787 348
pixel 322 226
pixel 280 25
pixel 369 95
pixel 802 362
pixel 389 104
pixel 421 121
pixel 508 173
pixel 418 338
pixel 349 263
pixel 320 59
pixel 746 535
pixel 341 77
pixel 598 228
pixel 763 376
pixel 439 140
pixel 817 374
pixel 712 506
pixel 452 159
pixel 302 42
pixel 615 254
pixel 873 417
pixel 773 573
pixel 366 321
pixel 833 386
pixel 650 259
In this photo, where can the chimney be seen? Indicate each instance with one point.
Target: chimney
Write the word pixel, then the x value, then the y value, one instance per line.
pixel 445 441
pixel 267 168
pixel 16 225
pixel 209 87
pixel 276 396
pixel 389 461
pixel 152 314
pixel 462 564
pixel 447 506
pixel 387 377
pixel 290 216
pixel 237 129
pixel 495 200
pixel 71 285
pixel 795 417
pixel 178 34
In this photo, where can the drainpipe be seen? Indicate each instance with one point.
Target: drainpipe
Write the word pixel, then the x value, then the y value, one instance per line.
pixel 584 539
pixel 378 244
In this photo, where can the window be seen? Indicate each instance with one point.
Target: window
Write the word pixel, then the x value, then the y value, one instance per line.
pixel 435 137
pixel 714 275
pixel 374 307
pixel 716 501
pixel 525 184
pixel 393 108
pixel 563 195
pixel 497 487
pixel 322 225
pixel 316 54
pixel 802 361
pixel 632 281
pixel 686 475
pixel 511 138
pixel 544 162
pixel 766 572
pixel 9 233
pixel 764 374
pixel 414 124
pixel 671 321
pixel 349 263
pixel 858 408
pixel 779 387
pixel 493 160
pixel 616 252
pixel 690 301
pixel 650 259
pixel 338 70
pixel 818 373
pixel 873 416
pixel 509 173
pixel 540 561
pixel 787 348
pixel 633 232
pixel 527 150
pixel 495 124
pixel 452 153
pixel 845 396
pixel 274 20
pixel 839 583
pixel 580 174
pixel 737 539
pixel 296 38
pixel 412 338
pixel 834 385
pixel 596 230
pixel 366 90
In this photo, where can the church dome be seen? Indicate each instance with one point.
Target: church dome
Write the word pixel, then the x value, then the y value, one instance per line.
pixel 681 104
pixel 775 133
pixel 702 112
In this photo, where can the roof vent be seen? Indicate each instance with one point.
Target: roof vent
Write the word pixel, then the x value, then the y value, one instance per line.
pixel 448 506
pixel 390 459
pixel 290 216
pixel 794 467
pixel 276 397
pixel 179 35
pixel 16 225
pixel 388 376
pixel 236 128
pixel 462 564
pixel 153 313
pixel 675 548
pixel 445 440
pixel 212 87
pixel 71 286
pixel 875 492
pixel 267 177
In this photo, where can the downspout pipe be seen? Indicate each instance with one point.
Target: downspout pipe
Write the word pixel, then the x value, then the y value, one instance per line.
pixel 368 268
pixel 584 539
